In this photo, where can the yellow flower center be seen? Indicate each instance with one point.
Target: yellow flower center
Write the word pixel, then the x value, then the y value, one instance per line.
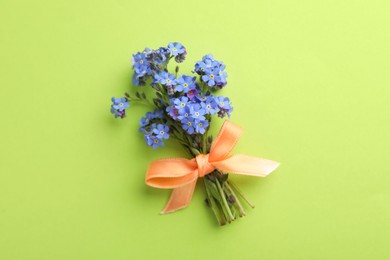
pixel 185 85
pixel 208 106
pixel 162 132
pixel 174 49
pixel 222 104
pixel 156 141
pixel 211 76
pixel 121 104
pixel 189 124
pixel 197 113
pixel 168 80
pixel 200 124
pixel 141 62
pixel 182 105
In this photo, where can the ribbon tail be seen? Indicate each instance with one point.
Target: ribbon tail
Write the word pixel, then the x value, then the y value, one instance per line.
pixel 180 198
pixel 247 165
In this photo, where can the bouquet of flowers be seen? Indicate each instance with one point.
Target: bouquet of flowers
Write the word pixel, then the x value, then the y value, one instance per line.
pixel 183 108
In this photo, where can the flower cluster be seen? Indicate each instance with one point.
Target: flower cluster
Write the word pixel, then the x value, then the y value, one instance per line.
pixel 149 62
pixel 211 72
pixel 119 106
pixel 184 104
pixel 154 132
pixel 194 114
pixel 155 136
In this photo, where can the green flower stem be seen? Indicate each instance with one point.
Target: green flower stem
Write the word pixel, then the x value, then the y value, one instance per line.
pixel 204 139
pixel 240 193
pixel 203 87
pixel 225 205
pixel 220 218
pixel 189 142
pixel 141 101
pixel 237 203
pixel 185 145
pixel 217 198
pixel 223 212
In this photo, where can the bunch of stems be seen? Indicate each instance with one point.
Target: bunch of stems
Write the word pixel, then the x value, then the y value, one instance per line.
pixel 223 196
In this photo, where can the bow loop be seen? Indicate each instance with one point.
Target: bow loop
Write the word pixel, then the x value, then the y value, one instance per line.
pixel 225 141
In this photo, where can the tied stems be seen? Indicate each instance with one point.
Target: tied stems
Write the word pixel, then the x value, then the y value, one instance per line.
pixel 221 192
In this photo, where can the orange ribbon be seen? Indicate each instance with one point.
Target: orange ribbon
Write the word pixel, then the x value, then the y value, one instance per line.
pixel 181 174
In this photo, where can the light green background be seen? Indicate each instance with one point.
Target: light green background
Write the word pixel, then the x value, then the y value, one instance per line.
pixel 309 81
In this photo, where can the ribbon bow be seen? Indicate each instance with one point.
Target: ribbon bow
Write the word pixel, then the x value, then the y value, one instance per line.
pixel 181 174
